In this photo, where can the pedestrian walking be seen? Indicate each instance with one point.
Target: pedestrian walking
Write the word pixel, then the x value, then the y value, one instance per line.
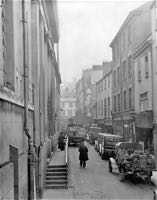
pixel 61 142
pixel 83 157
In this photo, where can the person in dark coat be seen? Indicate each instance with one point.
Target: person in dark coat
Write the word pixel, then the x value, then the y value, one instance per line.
pixel 61 142
pixel 83 157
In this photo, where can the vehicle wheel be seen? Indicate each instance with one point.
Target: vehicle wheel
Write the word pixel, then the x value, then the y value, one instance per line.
pixel 122 174
pixel 110 166
pixel 105 157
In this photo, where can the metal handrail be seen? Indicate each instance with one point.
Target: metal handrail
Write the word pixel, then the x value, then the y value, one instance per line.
pixel 66 152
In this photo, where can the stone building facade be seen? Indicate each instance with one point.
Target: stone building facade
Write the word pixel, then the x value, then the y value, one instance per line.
pixel 135 29
pixel 143 90
pixel 104 102
pixel 28 71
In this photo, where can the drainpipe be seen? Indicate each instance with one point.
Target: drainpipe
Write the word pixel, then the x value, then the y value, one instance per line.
pixel 26 111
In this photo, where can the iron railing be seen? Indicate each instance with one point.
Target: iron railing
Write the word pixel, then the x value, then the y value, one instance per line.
pixel 66 152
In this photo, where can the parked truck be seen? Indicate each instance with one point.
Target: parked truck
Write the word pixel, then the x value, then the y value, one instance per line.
pixel 92 133
pixel 106 144
pixel 74 138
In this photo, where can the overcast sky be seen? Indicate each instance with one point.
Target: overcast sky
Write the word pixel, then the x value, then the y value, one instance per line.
pixel 87 28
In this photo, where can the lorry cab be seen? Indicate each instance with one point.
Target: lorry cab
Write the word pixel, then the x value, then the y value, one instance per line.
pixel 92 133
pixel 109 141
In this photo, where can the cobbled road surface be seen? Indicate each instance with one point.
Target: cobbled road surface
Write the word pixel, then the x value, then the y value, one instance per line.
pixel 95 181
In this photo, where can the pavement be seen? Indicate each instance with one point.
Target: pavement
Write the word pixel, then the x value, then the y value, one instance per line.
pixel 58 158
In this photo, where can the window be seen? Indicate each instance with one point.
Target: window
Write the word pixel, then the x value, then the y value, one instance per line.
pixel 9 68
pixel 143 101
pixel 109 107
pixel 70 113
pixel 97 108
pixel 139 70
pixel 114 78
pixel 70 104
pixel 124 100
pixel 104 108
pixel 130 97
pixel 115 104
pixel 146 66
pixel 17 86
pixel 105 83
pixel 113 52
pixel 101 85
pixel 118 102
pixel 63 113
pixel 129 66
pixel 118 76
pixel 124 40
pixel 124 69
pixel 109 81
pixel 21 90
pixel 118 50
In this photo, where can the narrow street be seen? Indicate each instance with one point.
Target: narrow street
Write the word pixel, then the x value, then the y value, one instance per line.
pixel 95 182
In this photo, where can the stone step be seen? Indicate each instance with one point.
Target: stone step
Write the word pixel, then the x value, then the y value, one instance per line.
pixel 56 170
pixel 56 174
pixel 56 186
pixel 56 178
pixel 56 166
pixel 56 182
